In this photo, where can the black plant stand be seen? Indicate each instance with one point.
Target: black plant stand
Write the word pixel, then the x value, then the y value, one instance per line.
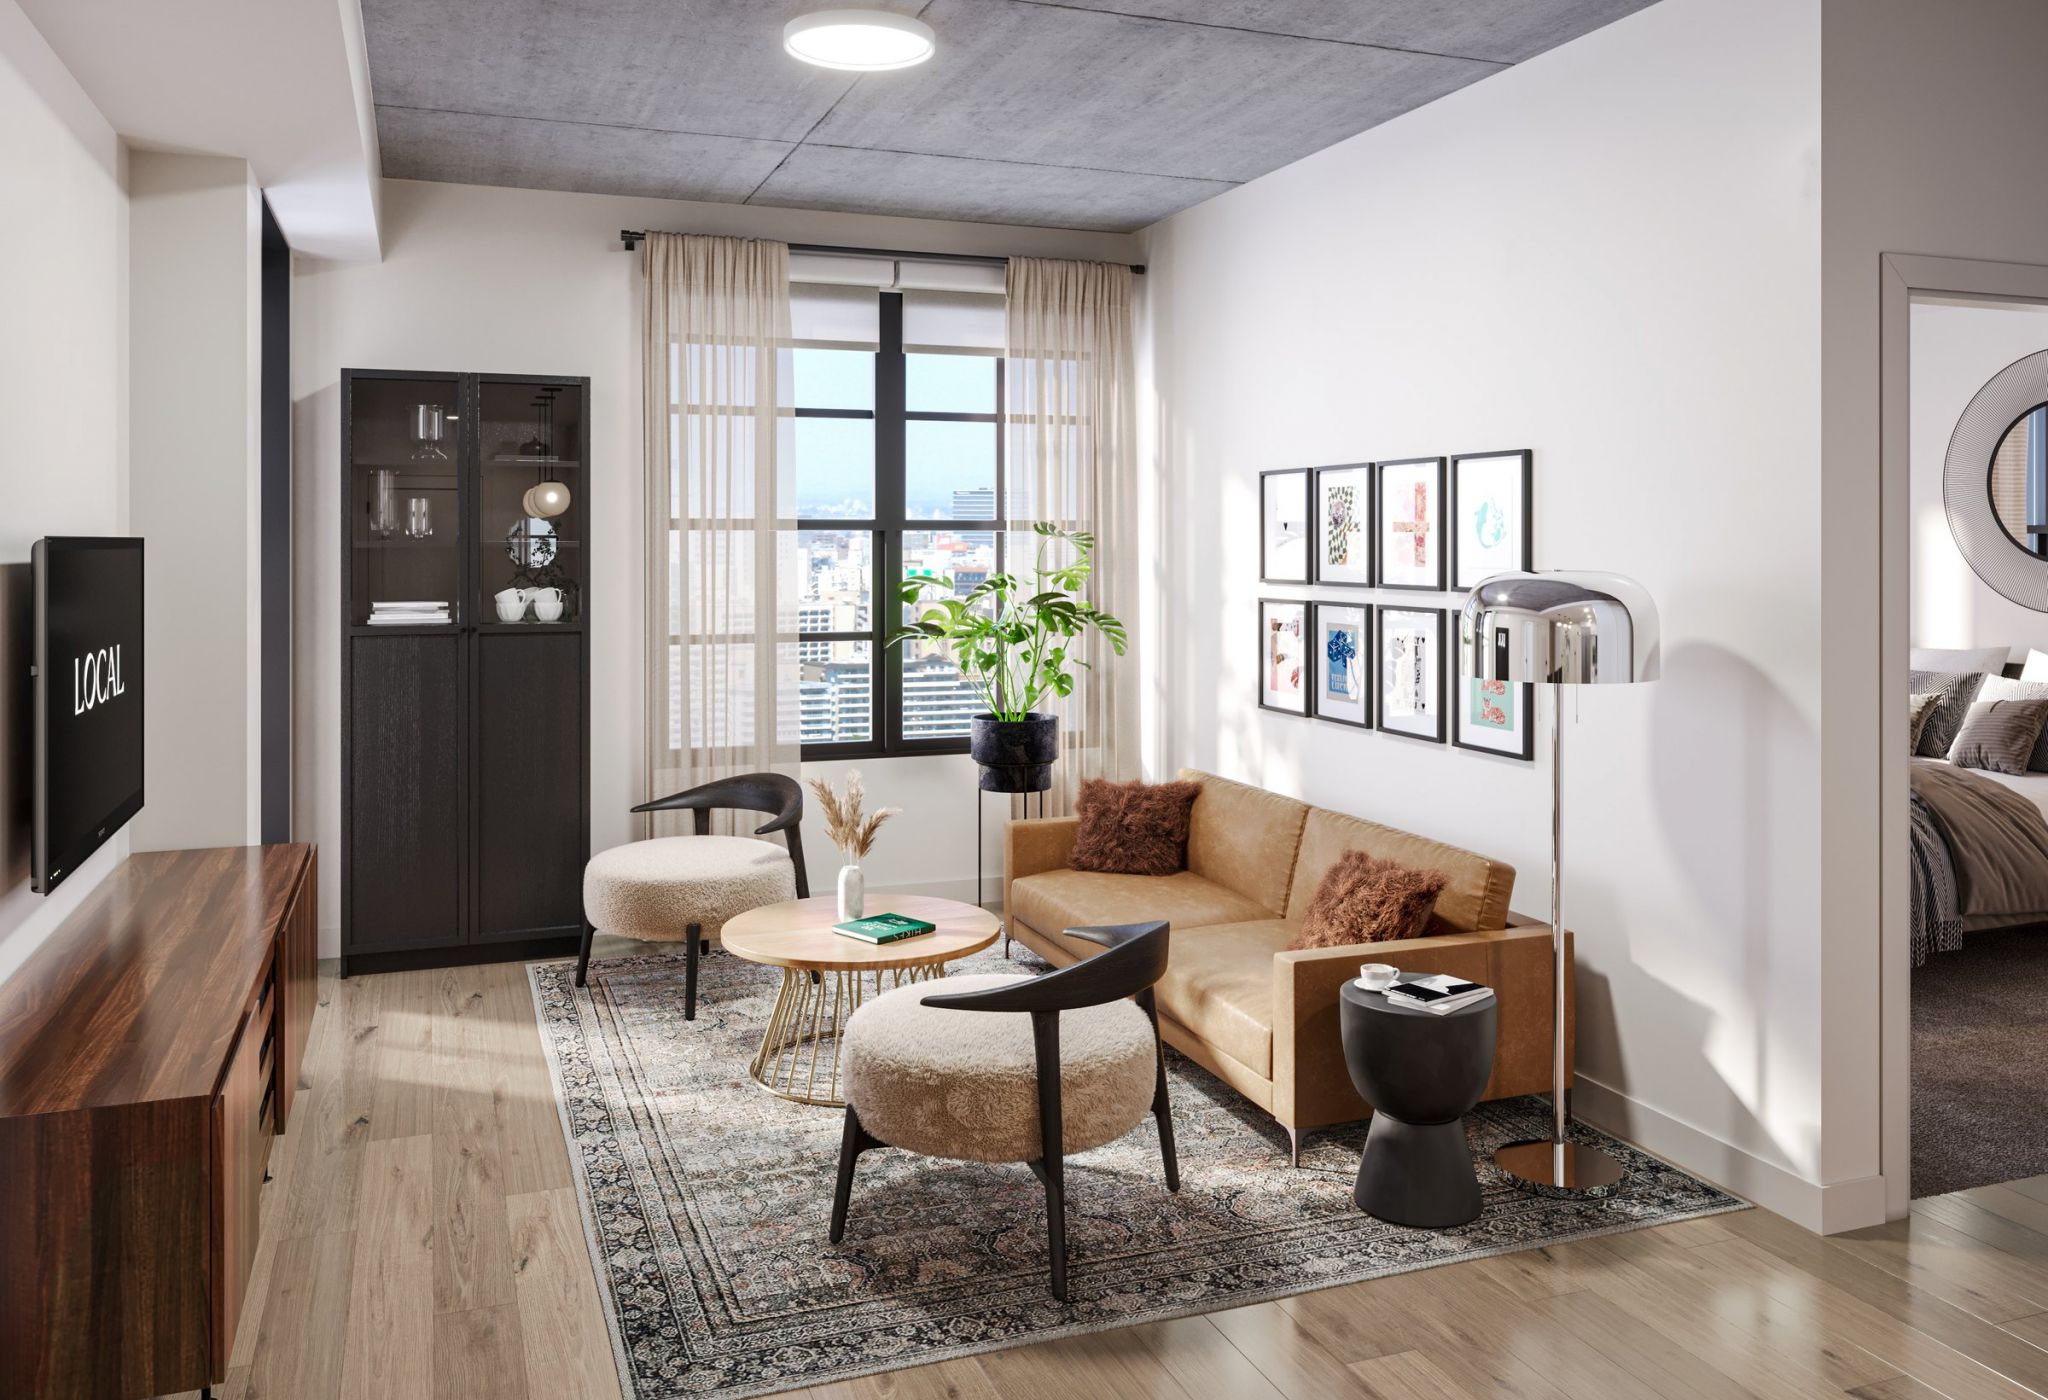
pixel 979 859
pixel 1421 1073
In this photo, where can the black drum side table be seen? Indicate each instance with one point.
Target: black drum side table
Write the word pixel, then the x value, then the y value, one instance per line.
pixel 1421 1073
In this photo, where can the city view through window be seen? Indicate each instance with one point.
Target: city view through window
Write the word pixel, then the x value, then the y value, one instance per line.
pixel 897 469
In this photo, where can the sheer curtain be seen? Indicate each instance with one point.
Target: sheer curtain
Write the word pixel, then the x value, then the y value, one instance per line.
pixel 721 505
pixel 1070 460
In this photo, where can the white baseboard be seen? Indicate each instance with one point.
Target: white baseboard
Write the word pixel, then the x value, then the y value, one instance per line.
pixel 1845 1205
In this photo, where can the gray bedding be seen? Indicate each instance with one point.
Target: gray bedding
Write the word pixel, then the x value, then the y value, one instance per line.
pixel 1979 850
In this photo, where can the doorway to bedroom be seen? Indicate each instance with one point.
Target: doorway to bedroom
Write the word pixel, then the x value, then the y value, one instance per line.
pixel 1977 788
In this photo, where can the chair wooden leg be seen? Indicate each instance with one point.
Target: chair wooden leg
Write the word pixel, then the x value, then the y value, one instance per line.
pixel 853 1141
pixel 1051 1166
pixel 583 958
pixel 692 936
pixel 1162 1111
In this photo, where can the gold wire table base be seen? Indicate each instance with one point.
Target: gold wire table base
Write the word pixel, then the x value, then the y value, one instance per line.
pixel 799 1054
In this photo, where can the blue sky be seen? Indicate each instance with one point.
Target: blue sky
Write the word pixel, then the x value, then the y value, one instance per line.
pixel 835 457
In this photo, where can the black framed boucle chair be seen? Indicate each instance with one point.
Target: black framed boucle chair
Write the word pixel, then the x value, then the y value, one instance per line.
pixel 686 887
pixel 1038 1068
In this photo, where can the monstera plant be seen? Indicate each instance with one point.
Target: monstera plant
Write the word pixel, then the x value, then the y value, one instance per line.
pixel 1016 639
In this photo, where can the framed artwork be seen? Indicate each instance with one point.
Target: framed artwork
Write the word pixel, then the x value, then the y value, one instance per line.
pixel 1490 515
pixel 1344 525
pixel 1496 717
pixel 1411 523
pixel 1286 666
pixel 1284 533
pixel 1411 689
pixel 1342 634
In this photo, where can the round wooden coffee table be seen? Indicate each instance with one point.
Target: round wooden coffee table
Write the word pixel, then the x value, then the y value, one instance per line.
pixel 826 976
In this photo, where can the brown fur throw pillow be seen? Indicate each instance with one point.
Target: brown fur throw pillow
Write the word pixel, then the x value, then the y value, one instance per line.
pixel 1368 900
pixel 1133 828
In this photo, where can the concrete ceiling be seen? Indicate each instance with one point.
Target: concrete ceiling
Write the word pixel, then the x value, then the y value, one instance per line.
pixel 1094 114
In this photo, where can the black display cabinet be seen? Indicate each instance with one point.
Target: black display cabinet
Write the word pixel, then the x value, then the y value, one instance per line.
pixel 465 667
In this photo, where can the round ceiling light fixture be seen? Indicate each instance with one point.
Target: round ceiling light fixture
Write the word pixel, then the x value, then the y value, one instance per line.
pixel 860 41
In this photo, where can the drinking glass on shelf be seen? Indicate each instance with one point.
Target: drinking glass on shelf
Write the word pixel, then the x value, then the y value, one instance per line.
pixel 429 427
pixel 383 503
pixel 419 521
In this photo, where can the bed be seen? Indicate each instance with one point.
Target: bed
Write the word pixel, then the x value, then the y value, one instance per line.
pixel 1979 846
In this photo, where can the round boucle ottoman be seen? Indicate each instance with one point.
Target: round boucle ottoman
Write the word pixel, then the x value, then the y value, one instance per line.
pixel 658 888
pixel 963 1084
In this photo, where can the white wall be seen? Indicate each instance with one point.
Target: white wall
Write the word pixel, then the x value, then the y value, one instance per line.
pixel 63 383
pixel 1610 255
pixel 531 282
pixel 195 366
pixel 1955 350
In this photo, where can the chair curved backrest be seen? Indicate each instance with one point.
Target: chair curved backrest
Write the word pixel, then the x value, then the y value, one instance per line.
pixel 1134 959
pixel 774 793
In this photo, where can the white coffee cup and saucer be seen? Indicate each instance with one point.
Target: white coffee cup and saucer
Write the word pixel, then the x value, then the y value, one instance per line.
pixel 1377 977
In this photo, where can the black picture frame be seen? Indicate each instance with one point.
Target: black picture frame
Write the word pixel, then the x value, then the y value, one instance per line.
pixel 1525 697
pixel 1308 660
pixel 1320 523
pixel 1526 544
pixel 1435 466
pixel 1306 487
pixel 1366 662
pixel 1441 619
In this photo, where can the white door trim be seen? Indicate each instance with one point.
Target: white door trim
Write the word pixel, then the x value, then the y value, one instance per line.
pixel 1902 277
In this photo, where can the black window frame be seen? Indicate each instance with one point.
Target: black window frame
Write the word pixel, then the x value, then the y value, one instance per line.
pixel 892 416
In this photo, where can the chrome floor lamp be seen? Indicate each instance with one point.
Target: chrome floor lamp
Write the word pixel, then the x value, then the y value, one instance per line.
pixel 1559 629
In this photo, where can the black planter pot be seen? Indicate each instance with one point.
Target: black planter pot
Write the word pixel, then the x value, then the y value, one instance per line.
pixel 1015 755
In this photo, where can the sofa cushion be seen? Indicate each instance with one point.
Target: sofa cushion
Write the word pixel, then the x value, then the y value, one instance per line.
pixel 1132 828
pixel 1244 838
pixel 1368 900
pixel 1063 899
pixel 1219 984
pixel 1474 898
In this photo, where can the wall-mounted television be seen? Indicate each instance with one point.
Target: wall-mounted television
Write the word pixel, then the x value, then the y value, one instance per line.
pixel 88 698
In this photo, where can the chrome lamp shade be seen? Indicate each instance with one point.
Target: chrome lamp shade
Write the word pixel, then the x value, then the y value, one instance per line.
pixel 1559 629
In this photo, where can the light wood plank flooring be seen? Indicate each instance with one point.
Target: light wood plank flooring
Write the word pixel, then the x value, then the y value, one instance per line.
pixel 422 1241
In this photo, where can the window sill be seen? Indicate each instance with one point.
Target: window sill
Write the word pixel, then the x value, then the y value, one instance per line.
pixel 836 753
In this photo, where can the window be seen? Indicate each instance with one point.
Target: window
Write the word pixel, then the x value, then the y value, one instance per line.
pixel 898 466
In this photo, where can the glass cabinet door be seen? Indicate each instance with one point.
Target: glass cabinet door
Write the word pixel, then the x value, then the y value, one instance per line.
pixel 530 567
pixel 405 465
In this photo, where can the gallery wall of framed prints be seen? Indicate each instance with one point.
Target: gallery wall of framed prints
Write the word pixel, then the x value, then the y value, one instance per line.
pixel 1405 525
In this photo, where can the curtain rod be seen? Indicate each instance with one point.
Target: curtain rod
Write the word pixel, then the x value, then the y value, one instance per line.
pixel 631 238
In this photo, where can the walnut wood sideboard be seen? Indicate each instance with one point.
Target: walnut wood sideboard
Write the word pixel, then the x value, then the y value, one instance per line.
pixel 149 1051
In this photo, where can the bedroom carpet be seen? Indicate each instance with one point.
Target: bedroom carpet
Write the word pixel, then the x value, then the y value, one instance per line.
pixel 1980 1057
pixel 705 1202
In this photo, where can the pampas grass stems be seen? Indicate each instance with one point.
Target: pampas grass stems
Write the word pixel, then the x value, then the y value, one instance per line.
pixel 847 827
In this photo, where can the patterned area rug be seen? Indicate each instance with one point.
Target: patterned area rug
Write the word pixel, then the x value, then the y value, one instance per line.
pixel 706 1202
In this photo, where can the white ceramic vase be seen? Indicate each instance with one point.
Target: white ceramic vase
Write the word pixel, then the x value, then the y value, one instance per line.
pixel 853 891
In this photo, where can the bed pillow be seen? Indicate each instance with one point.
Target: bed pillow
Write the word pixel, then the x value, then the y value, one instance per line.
pixel 1957 690
pixel 1999 688
pixel 1133 828
pixel 2036 666
pixel 1998 735
pixel 1919 709
pixel 1989 660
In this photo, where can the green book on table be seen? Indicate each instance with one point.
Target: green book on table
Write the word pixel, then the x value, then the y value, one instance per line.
pixel 883 928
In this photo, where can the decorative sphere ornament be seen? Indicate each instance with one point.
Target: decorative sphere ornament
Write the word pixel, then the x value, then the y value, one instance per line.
pixel 548 500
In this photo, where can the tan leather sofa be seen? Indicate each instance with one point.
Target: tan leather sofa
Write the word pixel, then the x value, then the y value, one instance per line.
pixel 1234 999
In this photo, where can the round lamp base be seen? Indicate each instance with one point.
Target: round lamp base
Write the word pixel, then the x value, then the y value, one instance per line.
pixel 1570 1168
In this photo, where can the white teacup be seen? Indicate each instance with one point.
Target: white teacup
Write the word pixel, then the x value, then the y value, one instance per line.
pixel 547 604
pixel 1377 977
pixel 510 611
